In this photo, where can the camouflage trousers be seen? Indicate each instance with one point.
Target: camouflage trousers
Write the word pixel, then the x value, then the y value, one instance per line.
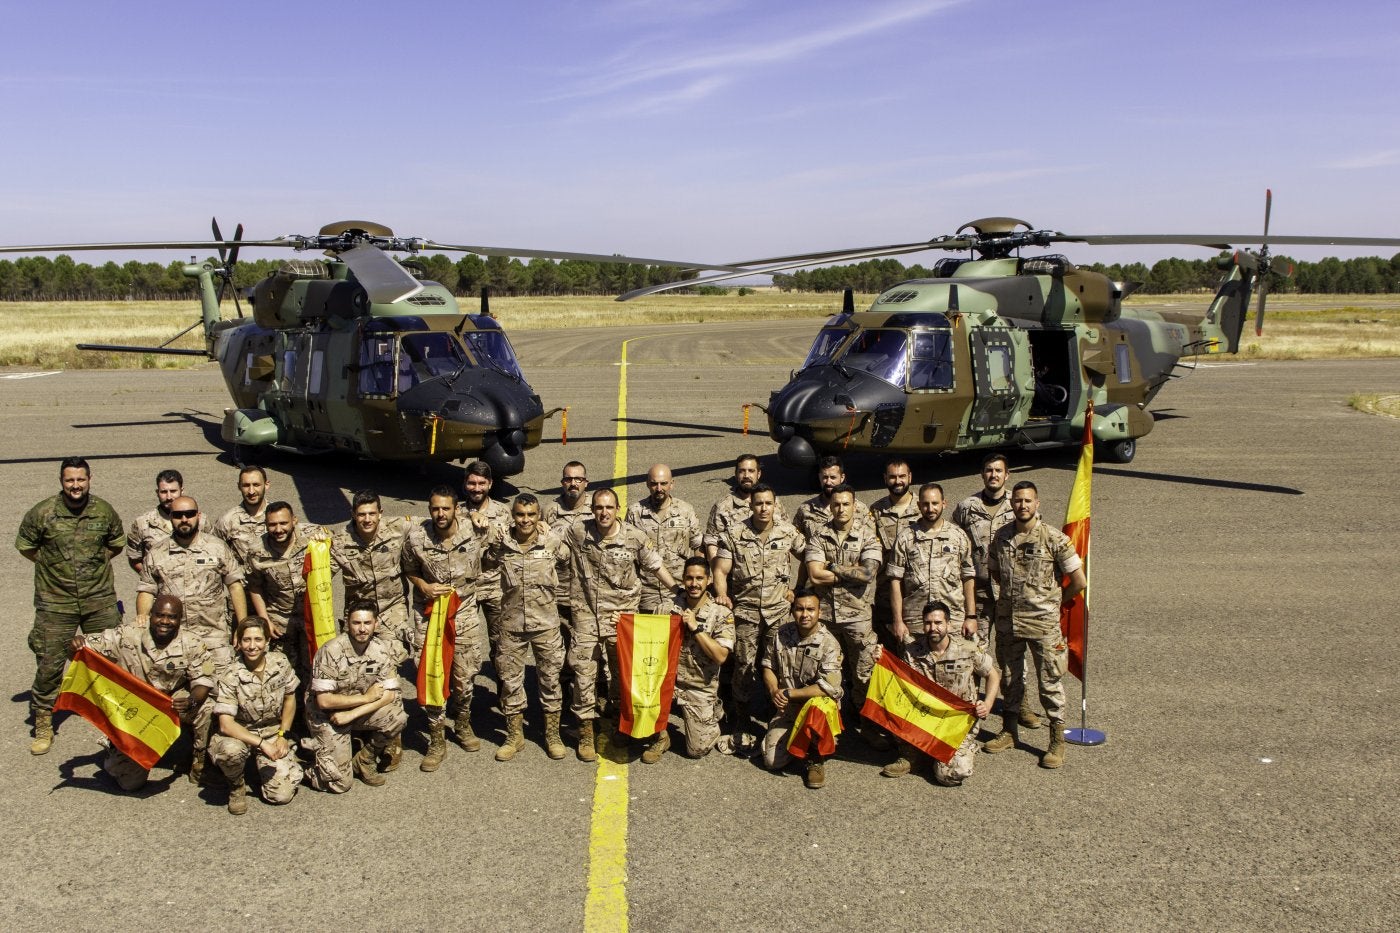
pixel 131 776
pixel 775 739
pixel 959 768
pixel 395 625
pixel 219 644
pixel 331 769
pixel 857 640
pixel 1048 657
pixel 512 654
pixel 986 612
pixel 589 650
pixel 292 643
pixel 278 778
pixel 699 708
pixel 49 638
pixel 466 656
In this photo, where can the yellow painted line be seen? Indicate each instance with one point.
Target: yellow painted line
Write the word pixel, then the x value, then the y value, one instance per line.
pixel 606 907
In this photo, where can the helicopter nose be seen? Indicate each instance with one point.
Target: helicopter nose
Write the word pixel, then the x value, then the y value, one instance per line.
pixel 816 409
pixel 484 415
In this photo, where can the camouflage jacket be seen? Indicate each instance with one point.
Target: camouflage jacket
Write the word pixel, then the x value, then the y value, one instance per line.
pixel 72 569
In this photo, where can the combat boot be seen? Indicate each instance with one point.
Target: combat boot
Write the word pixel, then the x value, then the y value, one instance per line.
pixel 238 797
pixel 393 753
pixel 1028 718
pixel 437 747
pixel 553 744
pixel 43 733
pixel 897 768
pixel 815 777
pixel 586 751
pixel 366 762
pixel 463 728
pixel 1005 739
pixel 1054 756
pixel 197 767
pixel 515 737
pixel 657 748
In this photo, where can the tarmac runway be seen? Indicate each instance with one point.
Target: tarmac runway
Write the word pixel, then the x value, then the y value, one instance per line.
pixel 1240 664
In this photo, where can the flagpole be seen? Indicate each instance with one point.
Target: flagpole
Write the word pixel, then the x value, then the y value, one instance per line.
pixel 1084 735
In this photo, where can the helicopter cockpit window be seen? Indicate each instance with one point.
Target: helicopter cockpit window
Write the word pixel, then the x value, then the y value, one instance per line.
pixel 825 345
pixel 492 348
pixel 426 356
pixel 377 365
pixel 932 367
pixel 882 353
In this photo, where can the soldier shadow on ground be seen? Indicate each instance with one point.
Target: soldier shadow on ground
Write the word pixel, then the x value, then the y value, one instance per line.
pixel 100 782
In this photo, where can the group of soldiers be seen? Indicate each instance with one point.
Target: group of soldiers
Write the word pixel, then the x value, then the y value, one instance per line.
pixel 774 612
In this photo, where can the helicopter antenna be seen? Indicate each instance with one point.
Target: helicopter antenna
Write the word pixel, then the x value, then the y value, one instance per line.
pixel 848 301
pixel 486 301
pixel 953 298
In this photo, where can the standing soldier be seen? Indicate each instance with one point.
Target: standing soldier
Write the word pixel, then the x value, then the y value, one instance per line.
pixel 202 571
pixel 150 528
pixel 170 660
pixel 476 500
pixel 816 511
pixel 843 558
pixel 275 584
pixel 574 504
pixel 895 510
pixel 801 662
pixel 608 558
pixel 71 539
pixel 354 689
pixel 708 629
pixel 366 551
pixel 932 563
pixel 981 515
pixel 527 557
pixel 758 567
pixel 442 555
pixel 733 508
pixel 955 664
pixel 1027 562
pixel 674 531
pixel 243 525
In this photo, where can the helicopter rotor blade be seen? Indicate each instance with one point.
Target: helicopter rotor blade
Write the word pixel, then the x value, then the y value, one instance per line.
pixel 232 263
pixel 212 245
pixel 384 279
pixel 584 257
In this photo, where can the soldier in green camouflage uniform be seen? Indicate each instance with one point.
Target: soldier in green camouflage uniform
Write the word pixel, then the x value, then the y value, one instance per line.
pixel 1027 561
pixel 527 557
pixel 956 664
pixel 758 567
pixel 169 659
pixel 354 690
pixel 71 539
pixel 255 703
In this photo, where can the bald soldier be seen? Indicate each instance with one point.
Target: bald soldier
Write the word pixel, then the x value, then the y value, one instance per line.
pixel 1027 561
pixel 172 661
pixel 672 528
pixel 201 570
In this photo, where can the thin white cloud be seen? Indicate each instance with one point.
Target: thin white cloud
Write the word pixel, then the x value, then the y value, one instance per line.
pixel 1008 176
pixel 1378 159
pixel 764 52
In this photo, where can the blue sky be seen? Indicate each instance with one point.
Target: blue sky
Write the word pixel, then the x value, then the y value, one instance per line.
pixel 714 130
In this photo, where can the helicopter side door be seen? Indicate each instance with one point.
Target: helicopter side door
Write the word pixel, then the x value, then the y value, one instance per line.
pixel 1001 406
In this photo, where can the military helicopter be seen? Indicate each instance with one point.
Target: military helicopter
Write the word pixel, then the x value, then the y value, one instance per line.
pixel 357 353
pixel 1001 350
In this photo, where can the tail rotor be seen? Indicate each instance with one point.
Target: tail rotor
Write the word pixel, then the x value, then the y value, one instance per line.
pixel 228 259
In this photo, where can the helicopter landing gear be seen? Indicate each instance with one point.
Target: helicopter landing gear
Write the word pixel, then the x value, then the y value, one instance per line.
pixel 1122 451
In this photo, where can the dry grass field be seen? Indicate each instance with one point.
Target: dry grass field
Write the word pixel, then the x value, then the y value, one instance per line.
pixel 42 334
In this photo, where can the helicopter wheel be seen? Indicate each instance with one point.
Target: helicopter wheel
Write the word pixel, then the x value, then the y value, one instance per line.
pixel 1122 451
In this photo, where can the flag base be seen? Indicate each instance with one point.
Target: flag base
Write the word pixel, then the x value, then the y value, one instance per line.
pixel 1085 737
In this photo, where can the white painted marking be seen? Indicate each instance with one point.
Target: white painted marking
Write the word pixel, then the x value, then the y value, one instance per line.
pixel 52 372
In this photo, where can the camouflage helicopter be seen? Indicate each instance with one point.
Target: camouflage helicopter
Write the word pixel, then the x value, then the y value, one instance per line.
pixel 357 353
pixel 1001 350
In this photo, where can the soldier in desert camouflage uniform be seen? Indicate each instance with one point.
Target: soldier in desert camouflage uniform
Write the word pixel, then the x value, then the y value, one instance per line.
pixel 242 526
pixel 354 690
pixel 801 661
pixel 367 550
pixel 733 508
pixel 275 584
pixel 150 528
pixel 255 703
pixel 574 504
pixel 956 664
pixel 895 510
pixel 674 531
pixel 1027 561
pixel 932 562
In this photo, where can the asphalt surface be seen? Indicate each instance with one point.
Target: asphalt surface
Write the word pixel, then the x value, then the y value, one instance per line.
pixel 1241 664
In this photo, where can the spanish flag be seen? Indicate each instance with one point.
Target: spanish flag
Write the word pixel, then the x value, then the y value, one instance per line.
pixel 929 717
pixel 648 647
pixel 439 644
pixel 318 602
pixel 1074 614
pixel 138 718
pixel 819 723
